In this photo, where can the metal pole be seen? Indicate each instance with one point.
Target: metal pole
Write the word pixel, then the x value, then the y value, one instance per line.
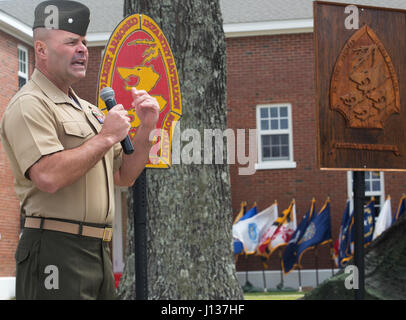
pixel 359 195
pixel 280 260
pixel 332 261
pixel 140 236
pixel 263 260
pixel 316 261
pixel 246 272
pixel 300 279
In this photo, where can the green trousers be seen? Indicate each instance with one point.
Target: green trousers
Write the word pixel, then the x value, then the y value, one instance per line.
pixel 54 265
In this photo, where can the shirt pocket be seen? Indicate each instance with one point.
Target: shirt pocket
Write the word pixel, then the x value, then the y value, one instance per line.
pixel 75 133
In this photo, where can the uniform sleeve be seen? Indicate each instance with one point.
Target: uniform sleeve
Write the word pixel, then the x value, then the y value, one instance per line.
pixel 30 129
pixel 118 156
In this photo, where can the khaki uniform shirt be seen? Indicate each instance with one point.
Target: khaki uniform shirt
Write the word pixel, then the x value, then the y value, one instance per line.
pixel 41 120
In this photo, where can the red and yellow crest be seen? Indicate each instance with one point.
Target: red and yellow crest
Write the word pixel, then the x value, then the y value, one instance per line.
pixel 138 55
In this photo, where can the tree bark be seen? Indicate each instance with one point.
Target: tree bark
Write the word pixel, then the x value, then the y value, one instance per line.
pixel 189 211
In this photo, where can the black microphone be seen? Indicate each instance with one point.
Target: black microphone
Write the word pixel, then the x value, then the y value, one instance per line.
pixel 107 95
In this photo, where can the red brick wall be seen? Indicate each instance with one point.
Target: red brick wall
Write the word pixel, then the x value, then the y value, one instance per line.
pixel 274 69
pixel 9 204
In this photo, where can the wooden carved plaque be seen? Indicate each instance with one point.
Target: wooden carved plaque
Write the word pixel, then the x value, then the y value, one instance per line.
pixel 360 88
pixel 364 86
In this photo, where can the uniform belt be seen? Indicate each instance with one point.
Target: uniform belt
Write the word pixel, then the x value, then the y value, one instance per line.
pixel 104 233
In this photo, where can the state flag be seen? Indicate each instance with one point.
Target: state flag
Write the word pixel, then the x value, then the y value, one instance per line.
pixel 318 232
pixel 401 209
pixel 369 222
pixel 286 225
pixel 242 215
pixel 384 220
pixel 251 230
pixel 344 244
pixel 289 260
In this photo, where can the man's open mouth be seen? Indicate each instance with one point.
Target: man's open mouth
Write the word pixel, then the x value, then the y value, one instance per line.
pixel 79 63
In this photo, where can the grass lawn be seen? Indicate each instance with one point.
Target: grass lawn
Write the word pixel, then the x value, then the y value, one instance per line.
pixel 273 295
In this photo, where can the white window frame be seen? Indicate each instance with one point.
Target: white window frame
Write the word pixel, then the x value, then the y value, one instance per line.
pixel 20 72
pixel 381 193
pixel 274 164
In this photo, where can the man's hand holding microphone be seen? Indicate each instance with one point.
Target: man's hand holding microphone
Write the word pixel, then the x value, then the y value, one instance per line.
pixel 117 122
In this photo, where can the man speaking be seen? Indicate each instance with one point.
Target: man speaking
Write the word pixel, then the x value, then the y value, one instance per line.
pixel 66 158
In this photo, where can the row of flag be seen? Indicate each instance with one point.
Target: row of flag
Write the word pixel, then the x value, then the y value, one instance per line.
pixel 344 245
pixel 264 232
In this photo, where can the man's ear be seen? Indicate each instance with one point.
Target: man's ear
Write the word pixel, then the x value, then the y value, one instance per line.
pixel 41 49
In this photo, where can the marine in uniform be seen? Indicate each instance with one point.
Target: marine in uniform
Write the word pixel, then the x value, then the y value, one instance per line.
pixel 66 158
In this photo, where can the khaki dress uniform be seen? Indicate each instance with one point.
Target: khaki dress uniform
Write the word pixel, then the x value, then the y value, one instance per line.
pixel 68 229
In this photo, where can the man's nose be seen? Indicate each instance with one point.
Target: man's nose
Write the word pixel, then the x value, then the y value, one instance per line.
pixel 81 48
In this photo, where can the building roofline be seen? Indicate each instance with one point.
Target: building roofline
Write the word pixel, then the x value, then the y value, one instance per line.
pixel 233 30
pixel 16 28
pixel 24 33
pixel 97 39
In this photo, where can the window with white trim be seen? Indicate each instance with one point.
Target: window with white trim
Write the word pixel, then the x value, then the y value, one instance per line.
pixel 22 66
pixel 374 187
pixel 275 141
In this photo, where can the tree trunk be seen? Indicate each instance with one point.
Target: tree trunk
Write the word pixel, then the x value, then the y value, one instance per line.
pixel 189 206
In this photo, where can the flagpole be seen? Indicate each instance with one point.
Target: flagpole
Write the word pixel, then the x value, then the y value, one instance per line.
pixel 264 265
pixel 280 259
pixel 246 271
pixel 359 195
pixel 331 258
pixel 316 261
pixel 300 278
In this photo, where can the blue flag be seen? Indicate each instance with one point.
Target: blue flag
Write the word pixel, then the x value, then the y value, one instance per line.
pixel 250 213
pixel 344 251
pixel 289 261
pixel 401 209
pixel 369 222
pixel 317 232
pixel 237 244
pixel 369 226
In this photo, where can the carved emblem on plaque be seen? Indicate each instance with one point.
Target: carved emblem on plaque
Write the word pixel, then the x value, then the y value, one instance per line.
pixel 364 86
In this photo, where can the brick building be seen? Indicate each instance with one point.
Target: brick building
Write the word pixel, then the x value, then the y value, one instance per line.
pixel 271 81
pixel 270 87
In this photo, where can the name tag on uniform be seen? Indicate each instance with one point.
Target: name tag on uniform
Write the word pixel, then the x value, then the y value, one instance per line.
pixel 98 116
